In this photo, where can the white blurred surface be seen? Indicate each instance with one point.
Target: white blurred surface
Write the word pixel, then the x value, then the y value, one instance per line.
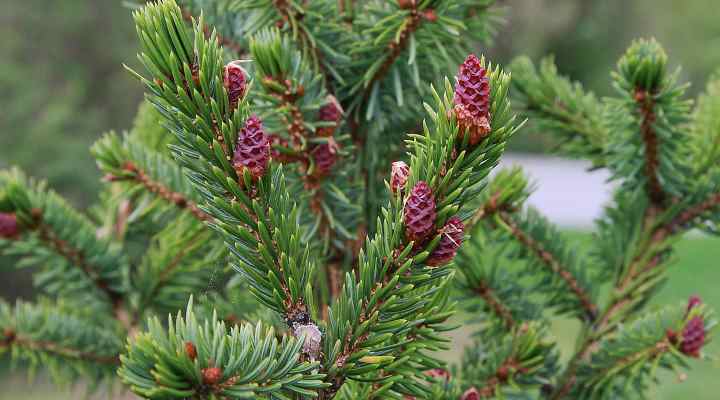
pixel 566 192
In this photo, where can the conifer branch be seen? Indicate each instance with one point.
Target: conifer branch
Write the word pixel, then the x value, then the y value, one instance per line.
pixel 691 213
pixel 225 42
pixel 247 197
pixel 289 14
pixel 395 47
pixel 487 294
pixel 391 267
pixel 11 338
pixel 507 371
pixel 73 255
pixel 551 262
pixel 561 107
pixel 176 198
pixel 66 344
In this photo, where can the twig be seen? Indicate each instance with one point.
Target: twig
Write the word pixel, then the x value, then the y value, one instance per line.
pixel 12 338
pixel 654 188
pixel 551 262
pixel 73 256
pixel 161 190
pixel 505 372
pixel 488 295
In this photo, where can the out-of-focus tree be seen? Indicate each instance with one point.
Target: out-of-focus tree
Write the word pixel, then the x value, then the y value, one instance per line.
pixel 62 85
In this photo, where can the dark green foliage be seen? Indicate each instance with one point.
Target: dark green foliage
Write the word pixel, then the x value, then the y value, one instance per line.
pixel 357 308
pixel 632 359
pixel 77 263
pixel 253 362
pixel 52 337
pixel 561 107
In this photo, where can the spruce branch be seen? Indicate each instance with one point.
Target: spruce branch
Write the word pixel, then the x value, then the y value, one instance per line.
pixel 449 165
pixel 561 107
pixel 304 22
pixel 648 119
pixel 204 359
pixel 182 258
pixel 541 245
pixel 251 205
pixel 488 295
pixel 488 287
pixel 87 264
pixel 223 41
pixel 69 346
pixel 705 139
pixel 649 136
pixel 510 364
pixel 632 357
pixel 127 161
pixel 550 260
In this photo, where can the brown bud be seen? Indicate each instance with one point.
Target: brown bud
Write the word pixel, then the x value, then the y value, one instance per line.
pixel 399 172
pixel 190 350
pixel 430 15
pixel 406 4
pixel 212 375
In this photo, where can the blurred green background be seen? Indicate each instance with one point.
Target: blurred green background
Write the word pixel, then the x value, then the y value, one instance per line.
pixel 62 85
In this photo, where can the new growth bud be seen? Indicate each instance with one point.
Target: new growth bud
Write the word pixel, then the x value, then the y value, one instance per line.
pixel 190 350
pixel 212 375
pixel 399 172
pixel 9 227
pixel 313 339
pixel 235 82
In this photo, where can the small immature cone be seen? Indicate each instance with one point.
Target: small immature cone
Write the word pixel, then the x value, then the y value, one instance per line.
pixel 693 302
pixel 190 350
pixel 399 172
pixel 330 112
pixel 9 227
pixel 252 149
pixel 438 373
pixel 419 213
pixel 452 237
pixel 212 375
pixel 235 82
pixel 471 394
pixel 313 339
pixel 693 337
pixel 406 4
pixel 472 100
pixel 325 156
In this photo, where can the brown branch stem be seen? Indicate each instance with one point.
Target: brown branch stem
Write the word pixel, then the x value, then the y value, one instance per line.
pixel 505 372
pixel 500 310
pixel 165 193
pixel 12 338
pixel 74 256
pixel 635 270
pixel 649 136
pixel 552 263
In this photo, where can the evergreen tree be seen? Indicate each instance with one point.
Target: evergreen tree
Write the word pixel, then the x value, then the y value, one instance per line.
pixel 267 175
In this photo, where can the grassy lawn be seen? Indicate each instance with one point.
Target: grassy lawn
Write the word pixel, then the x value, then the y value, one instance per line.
pixel 697 271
